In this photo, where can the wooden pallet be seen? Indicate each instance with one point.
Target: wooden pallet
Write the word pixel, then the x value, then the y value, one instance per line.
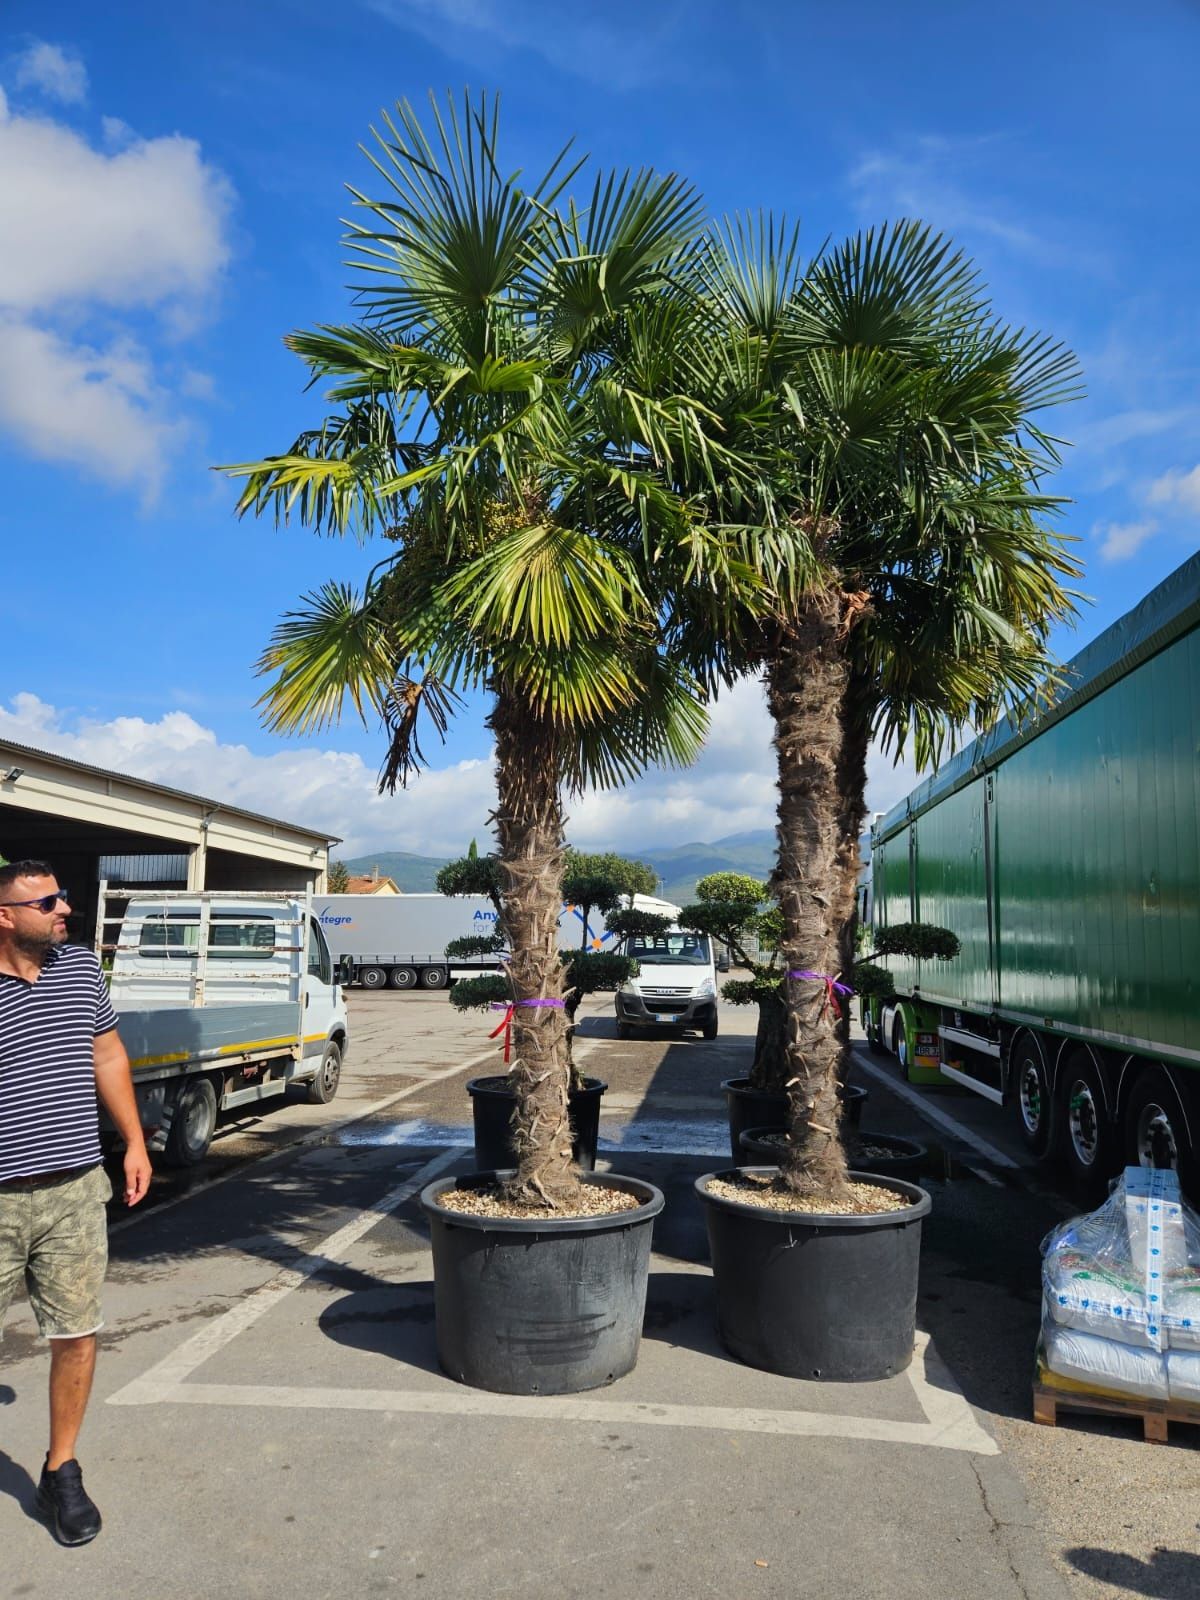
pixel 1052 1395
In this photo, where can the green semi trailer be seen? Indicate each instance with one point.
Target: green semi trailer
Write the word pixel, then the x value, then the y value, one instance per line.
pixel 1065 854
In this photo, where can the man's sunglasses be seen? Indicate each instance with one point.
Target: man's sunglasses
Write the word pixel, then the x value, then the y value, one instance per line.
pixel 46 902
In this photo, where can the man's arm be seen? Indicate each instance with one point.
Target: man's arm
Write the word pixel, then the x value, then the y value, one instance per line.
pixel 114 1085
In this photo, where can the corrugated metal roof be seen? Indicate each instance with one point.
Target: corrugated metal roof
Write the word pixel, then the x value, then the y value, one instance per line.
pixel 162 788
pixel 1167 611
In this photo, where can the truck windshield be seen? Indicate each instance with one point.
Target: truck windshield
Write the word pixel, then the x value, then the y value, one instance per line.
pixel 671 950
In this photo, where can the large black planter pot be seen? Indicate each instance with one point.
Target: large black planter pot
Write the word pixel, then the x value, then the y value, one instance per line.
pixel 492 1109
pixel 904 1158
pixel 763 1108
pixel 529 1306
pixel 811 1295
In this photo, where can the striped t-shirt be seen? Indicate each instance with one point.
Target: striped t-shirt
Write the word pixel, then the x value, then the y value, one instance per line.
pixel 48 1117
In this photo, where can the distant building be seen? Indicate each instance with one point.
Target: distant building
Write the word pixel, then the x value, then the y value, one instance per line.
pixel 371 883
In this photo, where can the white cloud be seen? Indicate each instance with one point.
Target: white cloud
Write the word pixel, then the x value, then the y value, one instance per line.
pixel 50 69
pixel 329 790
pixel 136 229
pixel 96 409
pixel 128 228
pixel 592 42
pixel 936 180
pixel 1120 540
pixel 1177 488
pixel 730 790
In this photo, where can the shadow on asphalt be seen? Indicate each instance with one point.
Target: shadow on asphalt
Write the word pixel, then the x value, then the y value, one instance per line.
pixel 386 1319
pixel 19 1486
pixel 1167 1575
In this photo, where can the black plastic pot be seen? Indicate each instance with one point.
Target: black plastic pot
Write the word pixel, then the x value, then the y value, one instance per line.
pixel 814 1295
pixel 904 1157
pixel 492 1109
pixel 764 1108
pixel 540 1307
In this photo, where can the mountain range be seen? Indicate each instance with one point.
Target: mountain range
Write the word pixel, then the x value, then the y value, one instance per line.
pixel 678 866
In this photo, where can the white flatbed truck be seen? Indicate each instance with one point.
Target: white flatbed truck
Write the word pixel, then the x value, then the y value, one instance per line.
pixel 223 999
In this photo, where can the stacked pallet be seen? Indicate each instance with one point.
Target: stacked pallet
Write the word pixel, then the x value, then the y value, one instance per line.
pixel 1121 1307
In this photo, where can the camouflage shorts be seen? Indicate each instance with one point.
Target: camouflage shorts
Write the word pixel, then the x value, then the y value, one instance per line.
pixel 54 1237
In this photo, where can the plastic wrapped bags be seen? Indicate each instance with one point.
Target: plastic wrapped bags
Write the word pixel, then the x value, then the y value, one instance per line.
pixel 1121 1292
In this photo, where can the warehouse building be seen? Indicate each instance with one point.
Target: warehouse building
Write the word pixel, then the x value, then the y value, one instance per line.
pixel 91 824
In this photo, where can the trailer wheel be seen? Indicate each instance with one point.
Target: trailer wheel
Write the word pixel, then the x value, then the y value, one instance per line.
pixel 1156 1131
pixel 403 977
pixel 323 1087
pixel 373 977
pixel 1033 1097
pixel 434 977
pixel 193 1123
pixel 1087 1128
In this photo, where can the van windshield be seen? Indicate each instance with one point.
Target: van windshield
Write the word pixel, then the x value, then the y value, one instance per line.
pixel 671 950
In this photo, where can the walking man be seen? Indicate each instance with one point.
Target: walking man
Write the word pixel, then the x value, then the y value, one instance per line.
pixel 59 1049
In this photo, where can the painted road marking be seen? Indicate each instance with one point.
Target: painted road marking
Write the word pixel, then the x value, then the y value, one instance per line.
pixel 950 1423
pixel 194 1352
pixel 940 1119
pixel 305 1142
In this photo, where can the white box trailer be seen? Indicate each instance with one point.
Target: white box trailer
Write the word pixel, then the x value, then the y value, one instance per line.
pixel 400 940
pixel 222 999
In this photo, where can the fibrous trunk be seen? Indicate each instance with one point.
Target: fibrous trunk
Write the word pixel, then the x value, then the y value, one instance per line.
pixel 769 1069
pixel 529 833
pixel 807 681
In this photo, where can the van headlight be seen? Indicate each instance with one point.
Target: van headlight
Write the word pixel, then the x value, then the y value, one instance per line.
pixel 704 989
pixel 630 986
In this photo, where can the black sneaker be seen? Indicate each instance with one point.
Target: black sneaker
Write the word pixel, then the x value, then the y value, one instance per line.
pixel 64 1501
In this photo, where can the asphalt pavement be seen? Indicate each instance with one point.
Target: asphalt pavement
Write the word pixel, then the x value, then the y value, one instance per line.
pixel 269 1418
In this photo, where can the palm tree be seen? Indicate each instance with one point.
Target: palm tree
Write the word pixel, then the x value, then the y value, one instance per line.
pixel 899 523
pixel 488 424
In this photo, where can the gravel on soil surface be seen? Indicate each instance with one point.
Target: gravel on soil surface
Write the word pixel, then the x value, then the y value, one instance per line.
pixel 595 1201
pixel 863 1199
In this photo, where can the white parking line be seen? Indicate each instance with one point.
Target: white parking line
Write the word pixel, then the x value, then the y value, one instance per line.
pixel 939 1119
pixel 950 1424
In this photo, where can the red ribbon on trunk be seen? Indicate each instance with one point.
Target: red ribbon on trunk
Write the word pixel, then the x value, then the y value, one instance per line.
pixel 505 1024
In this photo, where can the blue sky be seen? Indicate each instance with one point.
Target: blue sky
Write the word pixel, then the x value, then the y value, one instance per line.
pixel 171 184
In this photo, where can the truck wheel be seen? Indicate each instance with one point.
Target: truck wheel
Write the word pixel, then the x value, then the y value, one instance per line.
pixel 1156 1132
pixel 434 977
pixel 624 1031
pixel 403 977
pixel 709 1030
pixel 900 1043
pixel 1087 1129
pixel 373 977
pixel 875 1042
pixel 1033 1096
pixel 193 1123
pixel 323 1087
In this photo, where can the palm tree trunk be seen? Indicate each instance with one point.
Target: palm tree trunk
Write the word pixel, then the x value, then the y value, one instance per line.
pixel 852 811
pixel 529 833
pixel 768 1070
pixel 807 680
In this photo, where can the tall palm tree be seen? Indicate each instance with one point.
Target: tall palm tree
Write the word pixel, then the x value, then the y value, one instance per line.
pixel 488 425
pixel 899 522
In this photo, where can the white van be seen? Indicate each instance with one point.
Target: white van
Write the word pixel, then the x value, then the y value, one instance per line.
pixel 675 988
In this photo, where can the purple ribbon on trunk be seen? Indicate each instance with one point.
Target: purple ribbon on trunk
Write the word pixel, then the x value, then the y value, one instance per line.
pixel 832 989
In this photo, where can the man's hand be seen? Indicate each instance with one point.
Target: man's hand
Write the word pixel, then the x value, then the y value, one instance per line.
pixel 114 1085
pixel 137 1175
